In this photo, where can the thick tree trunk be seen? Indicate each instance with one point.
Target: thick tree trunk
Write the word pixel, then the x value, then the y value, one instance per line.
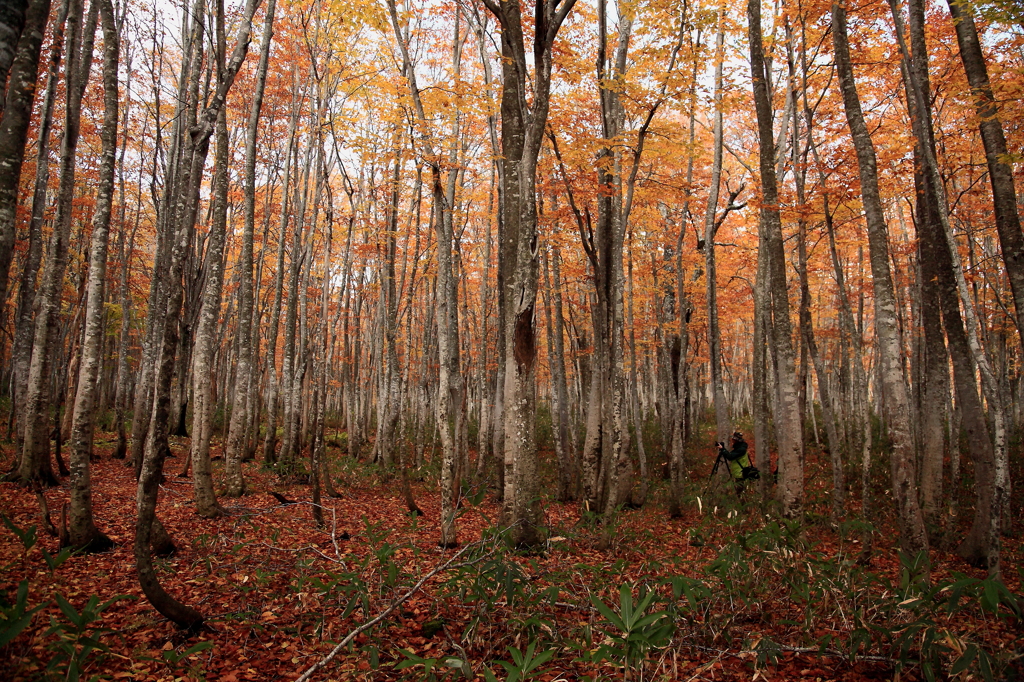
pixel 522 132
pixel 205 343
pixel 14 124
pixel 35 459
pixel 82 529
pixel 787 412
pixel 913 538
pixel 21 352
pixel 235 446
pixel 615 444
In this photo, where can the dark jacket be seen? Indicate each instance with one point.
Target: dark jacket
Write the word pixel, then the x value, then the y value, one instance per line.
pixel 737 458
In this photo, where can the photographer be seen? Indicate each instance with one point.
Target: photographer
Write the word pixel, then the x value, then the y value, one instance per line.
pixel 740 468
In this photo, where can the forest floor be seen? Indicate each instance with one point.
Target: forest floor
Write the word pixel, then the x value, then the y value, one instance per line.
pixel 723 593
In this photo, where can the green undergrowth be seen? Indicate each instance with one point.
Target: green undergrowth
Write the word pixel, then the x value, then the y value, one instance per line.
pixel 767 591
pixel 763 590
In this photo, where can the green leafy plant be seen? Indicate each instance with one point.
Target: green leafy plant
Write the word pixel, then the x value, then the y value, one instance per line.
pixel 54 561
pixel 432 668
pixel 27 536
pixel 17 616
pixel 633 631
pixel 524 665
pixel 78 638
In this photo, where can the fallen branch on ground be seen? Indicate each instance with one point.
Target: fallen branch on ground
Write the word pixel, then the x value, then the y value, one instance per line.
pixel 450 563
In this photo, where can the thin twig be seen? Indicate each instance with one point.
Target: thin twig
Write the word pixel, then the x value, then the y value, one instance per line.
pixel 803 650
pixel 450 563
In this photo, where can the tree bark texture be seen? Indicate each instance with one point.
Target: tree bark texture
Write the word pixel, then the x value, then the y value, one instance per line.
pixel 35 459
pixel 21 353
pixel 235 445
pixel 913 538
pixel 17 115
pixel 523 125
pixel 82 528
pixel 1000 172
pixel 787 412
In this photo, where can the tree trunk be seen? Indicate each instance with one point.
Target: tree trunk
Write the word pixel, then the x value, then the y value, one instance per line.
pixel 787 413
pixel 235 445
pixel 14 124
pixel 82 529
pixel 205 344
pixel 983 544
pixel 934 378
pixel 180 220
pixel 723 425
pixel 523 126
pixel 35 460
pixel 21 353
pixel 449 405
pixel 12 21
pixel 799 158
pixel 913 538
pixel 273 382
pixel 1000 172
pixel 556 350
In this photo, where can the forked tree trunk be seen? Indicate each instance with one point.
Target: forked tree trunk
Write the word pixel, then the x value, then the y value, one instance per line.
pixel 615 441
pixel 523 126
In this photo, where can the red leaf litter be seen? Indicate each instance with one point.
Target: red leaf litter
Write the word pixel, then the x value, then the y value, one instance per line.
pixel 276 590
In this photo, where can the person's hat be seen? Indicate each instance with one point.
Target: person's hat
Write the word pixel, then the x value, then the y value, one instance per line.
pixel 737 436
